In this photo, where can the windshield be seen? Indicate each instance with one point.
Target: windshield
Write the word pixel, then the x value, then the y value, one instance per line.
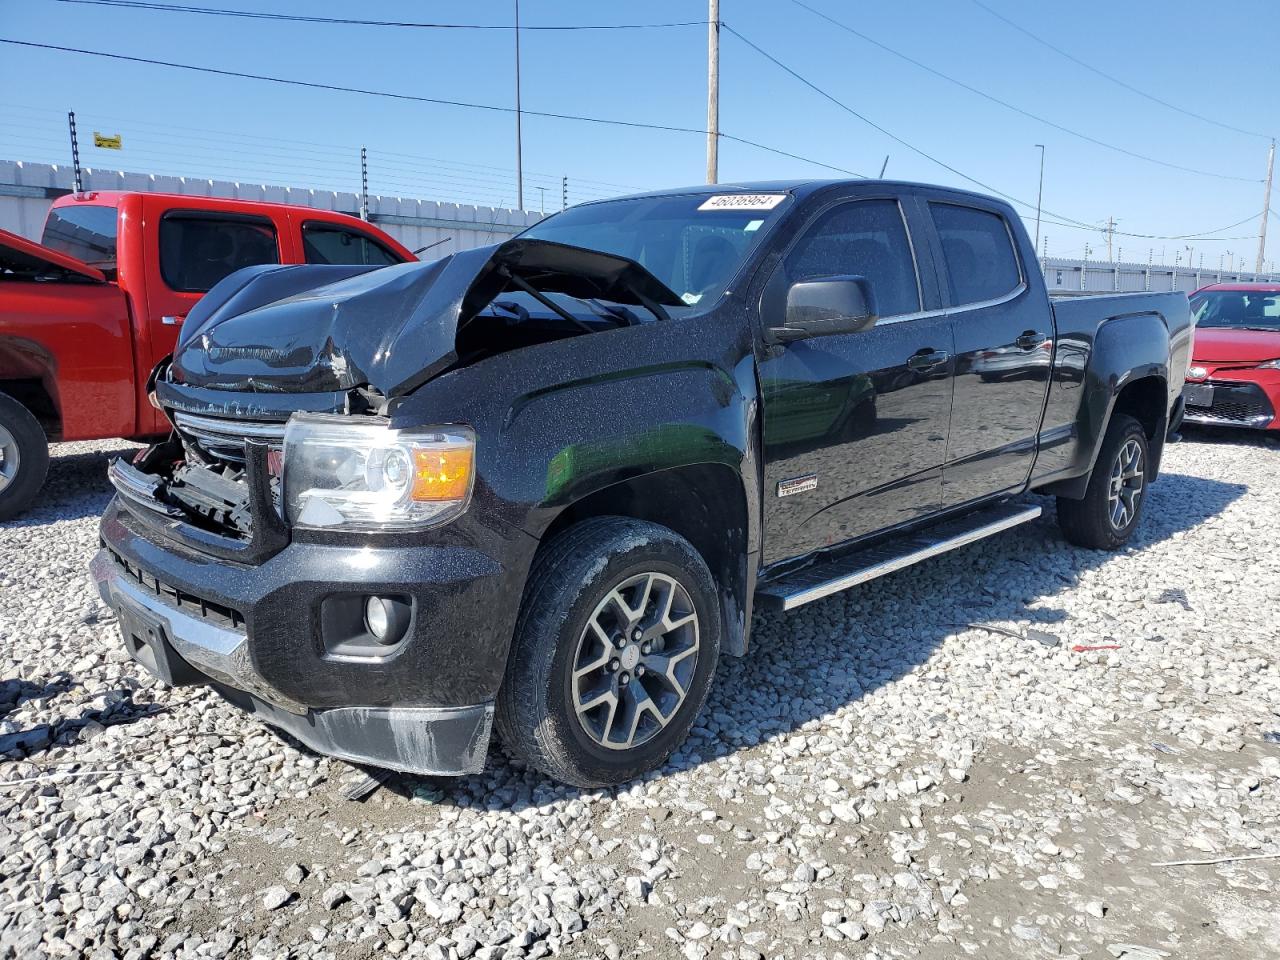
pixel 1238 308
pixel 694 244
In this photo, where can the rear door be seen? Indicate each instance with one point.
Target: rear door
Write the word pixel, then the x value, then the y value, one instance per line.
pixel 1004 347
pixel 855 424
pixel 189 249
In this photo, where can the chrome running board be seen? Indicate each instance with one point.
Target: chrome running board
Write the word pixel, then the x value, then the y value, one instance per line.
pixel 825 577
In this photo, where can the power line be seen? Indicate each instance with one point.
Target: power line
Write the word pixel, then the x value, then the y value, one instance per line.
pixel 352 21
pixel 1016 109
pixel 492 108
pixel 1058 218
pixel 1116 80
pixel 892 136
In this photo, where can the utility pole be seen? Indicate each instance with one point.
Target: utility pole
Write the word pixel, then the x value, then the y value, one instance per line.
pixel 542 201
pixel 1039 196
pixel 1084 270
pixel 1111 228
pixel 75 151
pixel 519 158
pixel 364 184
pixel 884 166
pixel 1266 207
pixel 713 91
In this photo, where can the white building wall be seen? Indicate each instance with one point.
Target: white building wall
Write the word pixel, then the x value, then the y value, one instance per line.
pixel 28 189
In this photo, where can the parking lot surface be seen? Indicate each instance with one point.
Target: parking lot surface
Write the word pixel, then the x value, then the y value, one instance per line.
pixel 933 765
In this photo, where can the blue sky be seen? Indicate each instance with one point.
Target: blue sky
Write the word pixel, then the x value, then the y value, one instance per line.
pixel 1194 54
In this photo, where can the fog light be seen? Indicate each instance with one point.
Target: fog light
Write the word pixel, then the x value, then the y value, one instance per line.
pixel 386 618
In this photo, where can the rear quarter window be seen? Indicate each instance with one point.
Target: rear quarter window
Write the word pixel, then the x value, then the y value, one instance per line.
pixel 978 252
pixel 85 232
pixel 337 245
pixel 197 251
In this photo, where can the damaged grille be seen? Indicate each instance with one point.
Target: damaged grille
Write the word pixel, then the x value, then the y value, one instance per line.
pixel 216 613
pixel 224 439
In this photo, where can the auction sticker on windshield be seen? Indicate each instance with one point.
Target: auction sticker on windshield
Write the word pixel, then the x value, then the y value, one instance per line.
pixel 743 201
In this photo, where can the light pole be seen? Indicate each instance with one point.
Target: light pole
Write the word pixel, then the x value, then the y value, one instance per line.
pixel 519 151
pixel 1039 195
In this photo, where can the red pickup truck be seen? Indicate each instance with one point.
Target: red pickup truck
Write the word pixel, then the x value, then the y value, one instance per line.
pixel 87 313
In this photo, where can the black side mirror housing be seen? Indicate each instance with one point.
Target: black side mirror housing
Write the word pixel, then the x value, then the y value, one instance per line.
pixel 844 304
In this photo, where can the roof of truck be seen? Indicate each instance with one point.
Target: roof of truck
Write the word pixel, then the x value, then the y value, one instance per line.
pixel 113 198
pixel 796 187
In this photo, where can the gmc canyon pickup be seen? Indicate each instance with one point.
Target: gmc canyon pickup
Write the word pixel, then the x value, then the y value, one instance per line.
pixel 542 485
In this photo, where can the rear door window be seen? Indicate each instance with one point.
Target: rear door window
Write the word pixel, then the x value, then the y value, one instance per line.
pixel 85 232
pixel 323 243
pixel 977 248
pixel 866 238
pixel 196 250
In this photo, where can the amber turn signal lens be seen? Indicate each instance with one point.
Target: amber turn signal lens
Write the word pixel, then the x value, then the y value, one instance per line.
pixel 441 473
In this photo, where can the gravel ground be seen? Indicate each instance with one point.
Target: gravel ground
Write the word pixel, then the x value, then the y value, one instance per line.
pixel 877 779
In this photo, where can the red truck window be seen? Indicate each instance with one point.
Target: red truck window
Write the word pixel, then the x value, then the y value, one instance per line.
pixel 85 232
pixel 197 249
pixel 324 243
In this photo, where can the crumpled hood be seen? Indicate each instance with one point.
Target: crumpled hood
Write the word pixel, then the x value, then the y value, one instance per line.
pixel 1224 345
pixel 308 329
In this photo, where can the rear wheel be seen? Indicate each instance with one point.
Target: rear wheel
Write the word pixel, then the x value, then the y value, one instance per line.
pixel 614 653
pixel 24 457
pixel 1107 516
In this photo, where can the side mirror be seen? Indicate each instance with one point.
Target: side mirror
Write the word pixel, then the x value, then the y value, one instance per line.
pixel 830 305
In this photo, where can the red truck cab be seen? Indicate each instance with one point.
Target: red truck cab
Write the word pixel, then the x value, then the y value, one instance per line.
pixel 87 313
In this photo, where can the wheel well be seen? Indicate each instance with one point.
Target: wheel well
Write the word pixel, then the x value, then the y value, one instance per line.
pixel 705 504
pixel 1145 400
pixel 31 393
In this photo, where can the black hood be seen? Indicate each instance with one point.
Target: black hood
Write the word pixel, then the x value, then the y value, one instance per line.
pixel 308 329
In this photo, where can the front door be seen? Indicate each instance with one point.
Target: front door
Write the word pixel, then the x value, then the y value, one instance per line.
pixel 1004 346
pixel 855 424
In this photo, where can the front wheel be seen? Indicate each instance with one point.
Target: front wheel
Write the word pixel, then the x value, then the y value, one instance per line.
pixel 1108 514
pixel 614 653
pixel 24 457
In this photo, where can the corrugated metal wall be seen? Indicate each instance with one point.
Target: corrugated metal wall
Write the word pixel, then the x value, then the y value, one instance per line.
pixel 1065 276
pixel 28 189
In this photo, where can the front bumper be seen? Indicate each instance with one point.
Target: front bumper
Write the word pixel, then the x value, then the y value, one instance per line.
pixel 1236 403
pixel 255 633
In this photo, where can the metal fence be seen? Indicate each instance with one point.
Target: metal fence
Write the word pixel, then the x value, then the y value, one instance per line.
pixel 28 189
pixel 1090 276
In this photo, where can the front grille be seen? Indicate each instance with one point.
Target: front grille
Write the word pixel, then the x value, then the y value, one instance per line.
pixel 224 439
pixel 215 613
pixel 1243 404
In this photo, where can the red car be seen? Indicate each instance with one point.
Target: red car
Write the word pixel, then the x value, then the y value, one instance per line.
pixel 87 313
pixel 1234 379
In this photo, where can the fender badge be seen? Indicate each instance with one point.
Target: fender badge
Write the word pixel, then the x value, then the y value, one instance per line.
pixel 795 485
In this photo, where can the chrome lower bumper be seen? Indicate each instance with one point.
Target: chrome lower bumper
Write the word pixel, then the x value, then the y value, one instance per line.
pixel 446 741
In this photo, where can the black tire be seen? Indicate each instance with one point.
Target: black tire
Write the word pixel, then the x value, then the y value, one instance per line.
pixel 568 586
pixel 1090 522
pixel 21 438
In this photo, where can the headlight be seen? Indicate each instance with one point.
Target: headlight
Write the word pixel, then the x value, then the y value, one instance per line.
pixel 355 473
pixel 1270 365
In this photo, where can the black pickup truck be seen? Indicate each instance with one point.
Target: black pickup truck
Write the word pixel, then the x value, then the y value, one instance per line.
pixel 546 482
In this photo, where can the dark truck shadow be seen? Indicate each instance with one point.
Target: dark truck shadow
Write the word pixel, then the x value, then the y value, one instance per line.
pixel 849 646
pixel 24 744
pixel 76 487
pixel 1233 436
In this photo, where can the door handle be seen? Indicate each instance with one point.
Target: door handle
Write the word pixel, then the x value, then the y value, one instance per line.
pixel 172 321
pixel 927 359
pixel 1030 339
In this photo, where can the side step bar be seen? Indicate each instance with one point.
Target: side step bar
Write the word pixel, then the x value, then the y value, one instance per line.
pixel 830 576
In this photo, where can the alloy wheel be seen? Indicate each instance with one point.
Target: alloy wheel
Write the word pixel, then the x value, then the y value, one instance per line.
pixel 10 458
pixel 635 661
pixel 1127 484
